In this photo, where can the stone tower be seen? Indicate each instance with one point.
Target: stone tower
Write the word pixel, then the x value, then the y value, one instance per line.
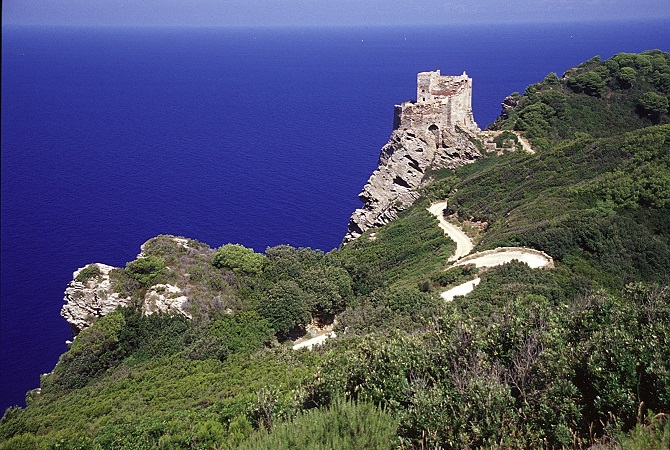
pixel 442 104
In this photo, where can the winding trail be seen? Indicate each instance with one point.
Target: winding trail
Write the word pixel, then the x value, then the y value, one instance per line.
pixel 309 343
pixel 461 289
pixel 535 259
pixel 464 244
pixel 502 255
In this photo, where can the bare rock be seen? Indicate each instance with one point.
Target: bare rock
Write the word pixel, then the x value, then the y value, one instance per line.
pixel 87 300
pixel 165 298
pixel 90 295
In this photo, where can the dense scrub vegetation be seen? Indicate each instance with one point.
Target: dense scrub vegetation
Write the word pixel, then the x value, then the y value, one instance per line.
pixel 598 98
pixel 567 358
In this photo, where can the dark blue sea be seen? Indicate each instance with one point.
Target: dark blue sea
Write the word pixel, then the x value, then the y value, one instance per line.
pixel 111 136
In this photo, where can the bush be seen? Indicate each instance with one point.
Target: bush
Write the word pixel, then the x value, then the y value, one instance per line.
pixel 239 259
pixel 589 83
pixel 344 425
pixel 328 287
pixel 95 350
pixel 653 105
pixel 146 270
pixel 653 434
pixel 243 332
pixel 89 272
pixel 285 306
pixel 627 77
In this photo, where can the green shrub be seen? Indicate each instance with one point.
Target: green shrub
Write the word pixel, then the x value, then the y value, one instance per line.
pixel 285 306
pixel 96 349
pixel 243 332
pixel 87 273
pixel 146 270
pixel 627 76
pixel 652 434
pixel 344 425
pixel 239 259
pixel 328 288
pixel 589 83
pixel 653 105
pixel 454 275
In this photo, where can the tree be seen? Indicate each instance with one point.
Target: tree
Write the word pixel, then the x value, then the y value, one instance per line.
pixel 328 288
pixel 146 269
pixel 626 77
pixel 285 306
pixel 653 105
pixel 551 80
pixel 589 83
pixel 239 259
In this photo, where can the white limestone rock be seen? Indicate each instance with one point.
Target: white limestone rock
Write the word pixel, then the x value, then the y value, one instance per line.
pixel 86 301
pixel 165 298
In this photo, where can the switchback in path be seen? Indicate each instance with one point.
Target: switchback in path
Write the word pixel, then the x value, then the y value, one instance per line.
pixel 488 258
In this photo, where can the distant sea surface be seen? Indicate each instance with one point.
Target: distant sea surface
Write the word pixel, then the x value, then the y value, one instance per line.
pixel 111 136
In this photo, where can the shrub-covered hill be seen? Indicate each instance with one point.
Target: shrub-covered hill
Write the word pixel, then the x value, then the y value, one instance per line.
pixel 598 98
pixel 564 358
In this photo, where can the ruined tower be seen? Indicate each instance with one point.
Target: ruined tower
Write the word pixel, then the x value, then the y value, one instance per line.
pixel 442 104
pixel 436 131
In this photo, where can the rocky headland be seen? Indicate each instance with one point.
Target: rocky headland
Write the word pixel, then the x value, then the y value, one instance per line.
pixel 90 297
pixel 436 131
pixel 95 290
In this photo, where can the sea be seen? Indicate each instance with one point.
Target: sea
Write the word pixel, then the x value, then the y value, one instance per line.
pixel 257 136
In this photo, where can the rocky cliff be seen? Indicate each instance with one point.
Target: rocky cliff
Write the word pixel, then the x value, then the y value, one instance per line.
pixel 91 294
pixel 436 131
pixel 90 297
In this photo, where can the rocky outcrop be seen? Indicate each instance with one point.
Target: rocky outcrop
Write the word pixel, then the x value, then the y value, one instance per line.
pixel 437 131
pixel 88 298
pixel 91 294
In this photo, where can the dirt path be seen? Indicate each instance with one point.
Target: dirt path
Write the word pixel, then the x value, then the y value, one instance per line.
pixel 502 255
pixel 524 142
pixel 463 243
pixel 488 258
pixel 461 289
pixel 309 343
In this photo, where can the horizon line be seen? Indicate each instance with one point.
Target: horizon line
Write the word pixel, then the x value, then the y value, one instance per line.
pixel 339 25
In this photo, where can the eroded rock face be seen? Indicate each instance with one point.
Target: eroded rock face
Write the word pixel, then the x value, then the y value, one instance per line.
pixel 435 132
pixel 86 301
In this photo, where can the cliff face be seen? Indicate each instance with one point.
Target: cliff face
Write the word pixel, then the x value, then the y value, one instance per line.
pixel 86 300
pixel 435 132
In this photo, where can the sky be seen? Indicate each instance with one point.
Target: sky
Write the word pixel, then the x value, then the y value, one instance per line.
pixel 322 12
